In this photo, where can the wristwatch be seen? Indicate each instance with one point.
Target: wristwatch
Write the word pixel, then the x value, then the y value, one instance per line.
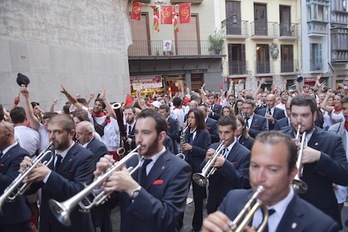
pixel 135 192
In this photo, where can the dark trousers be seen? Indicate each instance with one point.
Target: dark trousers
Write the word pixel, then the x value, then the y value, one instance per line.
pixel 199 194
pixel 22 227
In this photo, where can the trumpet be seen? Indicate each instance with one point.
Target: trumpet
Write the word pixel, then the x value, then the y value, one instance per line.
pixel 17 188
pixel 62 210
pixel 299 185
pixel 116 106
pixel 246 215
pixel 182 141
pixel 202 178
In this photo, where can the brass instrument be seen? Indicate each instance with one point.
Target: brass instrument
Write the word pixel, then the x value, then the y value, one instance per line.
pixel 246 215
pixel 182 141
pixel 299 185
pixel 116 106
pixel 202 178
pixel 62 210
pixel 17 187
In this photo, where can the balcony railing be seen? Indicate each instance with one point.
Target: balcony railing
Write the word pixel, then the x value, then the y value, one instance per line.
pixel 288 29
pixel 264 29
pixel 316 65
pixel 317 27
pixel 264 67
pixel 173 48
pixel 288 66
pixel 238 67
pixel 339 55
pixel 237 28
pixel 339 17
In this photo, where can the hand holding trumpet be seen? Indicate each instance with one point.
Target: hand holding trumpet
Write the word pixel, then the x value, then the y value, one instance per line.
pixel 219 161
pixel 37 174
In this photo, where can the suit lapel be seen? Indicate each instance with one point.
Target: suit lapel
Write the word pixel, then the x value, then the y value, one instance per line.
pixel 156 171
pixel 292 218
pixel 67 159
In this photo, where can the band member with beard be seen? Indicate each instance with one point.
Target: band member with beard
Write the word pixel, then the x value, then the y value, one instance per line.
pixel 64 177
pixel 272 166
pixel 153 198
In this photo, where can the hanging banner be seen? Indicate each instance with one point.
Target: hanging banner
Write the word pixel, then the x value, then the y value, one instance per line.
pixel 167 45
pixel 146 82
pixel 185 12
pixel 156 15
pixel 166 14
pixel 136 11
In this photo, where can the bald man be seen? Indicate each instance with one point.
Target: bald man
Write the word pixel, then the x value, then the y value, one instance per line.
pixel 271 113
pixel 16 215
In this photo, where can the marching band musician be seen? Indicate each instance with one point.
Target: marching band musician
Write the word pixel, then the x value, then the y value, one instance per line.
pixel 324 157
pixel 232 166
pixel 197 143
pixel 64 177
pixel 16 215
pixel 273 166
pixel 153 198
pixel 129 114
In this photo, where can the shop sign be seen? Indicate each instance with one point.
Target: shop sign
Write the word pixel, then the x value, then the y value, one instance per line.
pixel 146 82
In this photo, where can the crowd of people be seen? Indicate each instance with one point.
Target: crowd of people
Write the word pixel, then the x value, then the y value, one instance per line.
pixel 231 145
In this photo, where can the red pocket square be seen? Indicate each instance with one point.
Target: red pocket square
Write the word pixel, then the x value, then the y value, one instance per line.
pixel 157 182
pixel 2 165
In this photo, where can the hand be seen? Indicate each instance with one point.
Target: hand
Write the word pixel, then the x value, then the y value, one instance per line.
pixel 310 155
pixel 120 181
pixel 216 222
pixel 54 102
pixel 37 174
pixel 103 164
pixel 24 91
pixel 209 154
pixel 334 186
pixel 187 147
pixel 219 162
pixel 329 92
pixel 102 93
pixel 91 95
pixel 26 162
pixel 63 90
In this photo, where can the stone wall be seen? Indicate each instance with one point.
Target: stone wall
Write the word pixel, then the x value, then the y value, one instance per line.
pixel 81 44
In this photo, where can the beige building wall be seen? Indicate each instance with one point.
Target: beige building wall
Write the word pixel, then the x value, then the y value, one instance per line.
pixel 80 44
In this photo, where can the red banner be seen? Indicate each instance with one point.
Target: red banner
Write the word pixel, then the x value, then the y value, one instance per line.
pixel 136 11
pixel 185 12
pixel 166 14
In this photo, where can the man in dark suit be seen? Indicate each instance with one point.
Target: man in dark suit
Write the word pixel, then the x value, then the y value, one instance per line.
pixel 17 214
pixel 272 167
pixel 153 198
pixel 214 110
pixel 284 122
pixel 324 158
pixel 256 123
pixel 262 104
pixel 271 113
pixel 85 136
pixel 129 114
pixel 64 177
pixel 173 126
pixel 211 125
pixel 232 165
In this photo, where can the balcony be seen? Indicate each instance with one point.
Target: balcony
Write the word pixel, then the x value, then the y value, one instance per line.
pixel 238 67
pixel 316 65
pixel 264 67
pixel 339 18
pixel 339 45
pixel 288 30
pixel 236 29
pixel 170 48
pixel 317 28
pixel 288 66
pixel 264 30
pixel 187 1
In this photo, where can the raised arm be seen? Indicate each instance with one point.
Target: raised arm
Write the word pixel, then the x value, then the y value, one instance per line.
pixel 29 111
pixel 108 108
pixel 71 98
pixel 323 105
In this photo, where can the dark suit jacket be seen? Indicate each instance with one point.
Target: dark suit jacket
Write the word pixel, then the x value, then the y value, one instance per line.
pixel 277 114
pixel 332 167
pixel 200 146
pixel 216 112
pixel 173 133
pixel 131 136
pixel 299 214
pixel 281 123
pixel 234 174
pixel 212 127
pixel 259 107
pixel 246 142
pixel 18 211
pixel 162 199
pixel 75 170
pixel 258 125
pixel 97 148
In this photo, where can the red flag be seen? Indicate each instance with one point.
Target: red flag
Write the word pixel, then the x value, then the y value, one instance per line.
pixel 185 12
pixel 166 14
pixel 129 100
pixel 155 25
pixel 136 11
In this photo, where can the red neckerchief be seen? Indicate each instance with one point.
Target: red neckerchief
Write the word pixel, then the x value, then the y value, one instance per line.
pixel 101 114
pixel 346 125
pixel 337 108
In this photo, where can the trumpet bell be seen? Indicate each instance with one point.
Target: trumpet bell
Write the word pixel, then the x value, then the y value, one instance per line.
pixel 60 212
pixel 200 179
pixel 299 186
pixel 116 106
pixel 181 156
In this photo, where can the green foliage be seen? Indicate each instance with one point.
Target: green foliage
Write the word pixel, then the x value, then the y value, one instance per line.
pixel 217 41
